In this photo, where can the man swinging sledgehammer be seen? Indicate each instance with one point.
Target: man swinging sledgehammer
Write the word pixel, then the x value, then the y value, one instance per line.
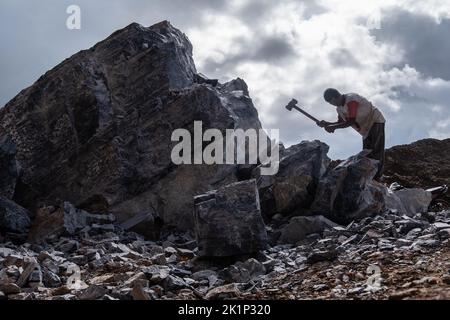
pixel 357 112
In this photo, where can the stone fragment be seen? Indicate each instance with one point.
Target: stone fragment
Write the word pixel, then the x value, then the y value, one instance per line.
pixel 228 221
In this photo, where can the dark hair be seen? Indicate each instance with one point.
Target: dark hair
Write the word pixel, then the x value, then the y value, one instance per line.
pixel 331 93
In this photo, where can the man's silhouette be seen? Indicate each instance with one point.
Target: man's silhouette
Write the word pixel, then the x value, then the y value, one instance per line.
pixel 357 112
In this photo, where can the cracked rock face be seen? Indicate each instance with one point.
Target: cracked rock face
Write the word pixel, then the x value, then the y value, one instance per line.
pixel 13 218
pixel 228 221
pixel 294 186
pixel 9 168
pixel 99 126
pixel 348 192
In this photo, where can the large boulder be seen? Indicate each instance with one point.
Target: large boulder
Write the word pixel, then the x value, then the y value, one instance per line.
pixel 348 192
pixel 99 126
pixel 13 218
pixel 294 186
pixel 228 221
pixel 9 169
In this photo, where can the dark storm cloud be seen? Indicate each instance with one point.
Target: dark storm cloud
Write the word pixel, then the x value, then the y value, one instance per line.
pixel 313 8
pixel 255 12
pixel 344 58
pixel 268 49
pixel 423 40
pixel 255 9
pixel 274 48
pixel 263 47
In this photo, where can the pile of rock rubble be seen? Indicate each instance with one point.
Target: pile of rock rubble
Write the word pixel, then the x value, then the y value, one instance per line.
pixel 123 265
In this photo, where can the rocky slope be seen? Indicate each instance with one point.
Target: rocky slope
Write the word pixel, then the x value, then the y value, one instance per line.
pixel 92 207
pixel 423 164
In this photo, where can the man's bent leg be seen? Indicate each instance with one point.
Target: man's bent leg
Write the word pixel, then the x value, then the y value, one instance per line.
pixel 380 149
pixel 376 142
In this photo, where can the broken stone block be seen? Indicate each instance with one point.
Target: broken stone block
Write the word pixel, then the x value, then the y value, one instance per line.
pixel 77 219
pixel 444 234
pixel 141 291
pixel 204 275
pixel 69 246
pixel 407 201
pixel 170 250
pixel 35 278
pixel 65 297
pixel 440 226
pixel 13 259
pixel 144 223
pixel 13 218
pixel 159 259
pixel 173 283
pixel 4 252
pixel 322 255
pixel 224 292
pixel 55 221
pixel 348 192
pixel 156 274
pixel 406 225
pixel 186 253
pixel 9 274
pixel 29 267
pixel 242 272
pixel 50 279
pixel 300 227
pixel 293 187
pixel 181 272
pixel 228 221
pixel 9 288
pixel 94 292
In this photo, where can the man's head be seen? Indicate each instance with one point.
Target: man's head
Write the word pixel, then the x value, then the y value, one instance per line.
pixel 333 97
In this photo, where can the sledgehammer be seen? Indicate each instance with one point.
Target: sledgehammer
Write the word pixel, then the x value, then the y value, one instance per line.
pixel 293 105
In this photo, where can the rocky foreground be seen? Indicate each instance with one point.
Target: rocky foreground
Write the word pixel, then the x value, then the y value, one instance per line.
pixel 338 263
pixel 92 207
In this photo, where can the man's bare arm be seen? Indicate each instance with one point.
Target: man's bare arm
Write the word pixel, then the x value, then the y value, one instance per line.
pixel 340 125
pixel 324 124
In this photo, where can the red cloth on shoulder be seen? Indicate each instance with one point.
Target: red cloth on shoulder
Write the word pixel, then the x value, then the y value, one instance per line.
pixel 352 109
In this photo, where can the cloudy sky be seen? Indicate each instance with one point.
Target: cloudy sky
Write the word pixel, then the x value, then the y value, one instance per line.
pixel 393 52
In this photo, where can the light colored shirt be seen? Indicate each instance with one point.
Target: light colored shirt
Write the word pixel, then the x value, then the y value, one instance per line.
pixel 359 108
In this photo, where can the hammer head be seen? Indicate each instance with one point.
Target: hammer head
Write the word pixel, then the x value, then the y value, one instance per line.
pixel 291 104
